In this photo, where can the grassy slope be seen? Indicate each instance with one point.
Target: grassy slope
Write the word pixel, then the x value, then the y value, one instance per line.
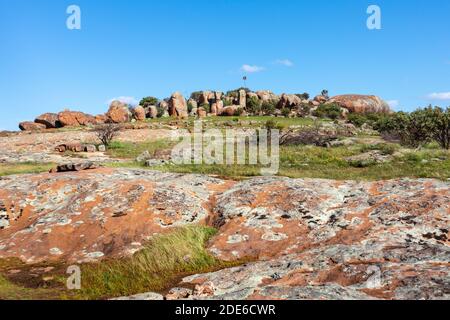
pixel 330 163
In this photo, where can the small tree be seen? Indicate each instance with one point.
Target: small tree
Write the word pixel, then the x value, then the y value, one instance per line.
pixel 107 132
pixel 331 111
pixel 253 105
pixel 148 101
pixel 206 107
pixel 268 107
pixel 285 112
pixel 439 123
pixel 303 96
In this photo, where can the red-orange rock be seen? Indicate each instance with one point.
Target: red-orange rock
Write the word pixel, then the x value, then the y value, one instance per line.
pixel 101 119
pixel 178 106
pixel 201 113
pixel 361 103
pixel 118 112
pixel 139 113
pixel 75 119
pixel 31 126
pixel 229 111
pixel 50 120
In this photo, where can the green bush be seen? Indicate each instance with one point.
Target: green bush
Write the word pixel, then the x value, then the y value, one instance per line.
pixel 196 95
pixel 161 111
pixel 227 103
pixel 190 107
pixel 418 128
pixel 369 118
pixel 410 128
pixel 206 106
pixel 331 111
pixel 285 112
pixel 268 107
pixel 239 112
pixel 303 96
pixel 439 124
pixel 253 105
pixel 304 110
pixel 149 101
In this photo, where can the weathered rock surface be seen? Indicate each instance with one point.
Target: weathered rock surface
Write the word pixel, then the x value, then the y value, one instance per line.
pixel 50 120
pixel 31 126
pixel 152 112
pixel 266 95
pixel 333 240
pixel 309 238
pixel 88 215
pixel 70 167
pixel 75 118
pixel 118 112
pixel 361 103
pixel 139 113
pixel 229 111
pixel 289 101
pixel 178 106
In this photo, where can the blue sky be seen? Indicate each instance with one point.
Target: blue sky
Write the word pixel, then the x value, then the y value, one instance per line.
pixel 140 48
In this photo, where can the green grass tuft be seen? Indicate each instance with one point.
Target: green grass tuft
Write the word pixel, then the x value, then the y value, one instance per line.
pixel 7 169
pixel 162 262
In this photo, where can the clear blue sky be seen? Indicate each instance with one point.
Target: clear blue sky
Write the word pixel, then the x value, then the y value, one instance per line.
pixel 140 48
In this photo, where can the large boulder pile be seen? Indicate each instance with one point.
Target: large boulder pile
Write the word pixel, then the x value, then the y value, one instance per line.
pixel 31 126
pixel 50 120
pixel 213 103
pixel 75 119
pixel 289 101
pixel 361 103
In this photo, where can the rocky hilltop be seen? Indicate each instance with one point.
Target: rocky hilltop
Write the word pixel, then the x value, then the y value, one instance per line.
pixel 211 103
pixel 307 238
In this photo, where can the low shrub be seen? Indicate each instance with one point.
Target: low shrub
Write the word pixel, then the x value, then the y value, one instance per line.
pixel 206 107
pixel 253 105
pixel 330 111
pixel 418 128
pixel 285 112
pixel 268 107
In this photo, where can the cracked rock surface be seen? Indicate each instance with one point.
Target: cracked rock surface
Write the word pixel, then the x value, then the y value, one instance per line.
pixel 306 238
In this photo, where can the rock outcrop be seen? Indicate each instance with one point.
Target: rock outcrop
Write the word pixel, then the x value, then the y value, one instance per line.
pixel 75 119
pixel 31 126
pixel 139 113
pixel 50 120
pixel 308 238
pixel 87 215
pixel 289 101
pixel 361 103
pixel 178 106
pixel 118 112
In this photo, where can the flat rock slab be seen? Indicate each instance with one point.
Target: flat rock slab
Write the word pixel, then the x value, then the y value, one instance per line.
pixel 89 215
pixel 308 238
